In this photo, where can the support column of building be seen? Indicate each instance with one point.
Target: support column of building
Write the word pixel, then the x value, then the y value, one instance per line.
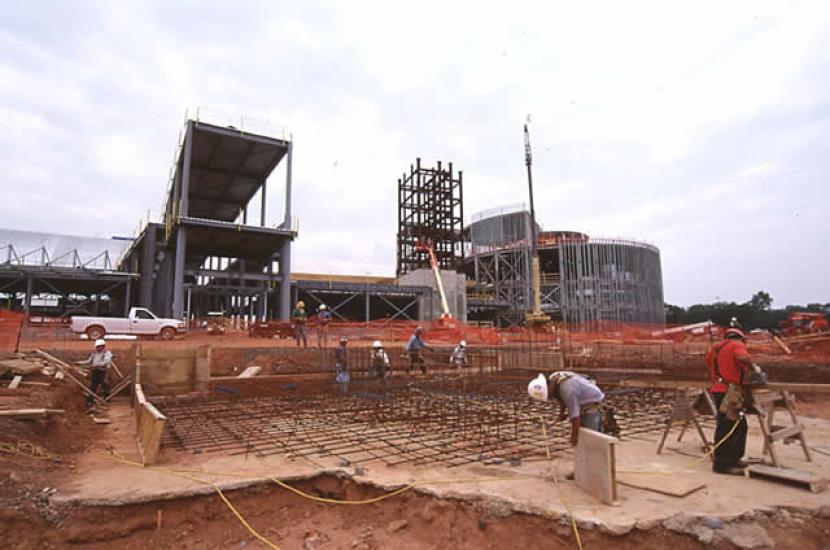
pixel 27 300
pixel 285 250
pixel 148 260
pixel 127 296
pixel 181 234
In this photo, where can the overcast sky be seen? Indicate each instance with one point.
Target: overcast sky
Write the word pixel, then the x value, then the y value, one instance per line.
pixel 703 129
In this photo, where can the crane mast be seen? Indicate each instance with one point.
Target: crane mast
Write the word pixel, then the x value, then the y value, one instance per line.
pixel 535 316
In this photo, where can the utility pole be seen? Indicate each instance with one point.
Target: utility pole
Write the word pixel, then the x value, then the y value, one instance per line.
pixel 534 317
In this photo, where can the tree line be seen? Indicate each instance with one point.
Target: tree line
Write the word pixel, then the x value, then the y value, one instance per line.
pixel 756 313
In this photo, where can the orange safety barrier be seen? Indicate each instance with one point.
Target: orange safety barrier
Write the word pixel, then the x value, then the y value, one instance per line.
pixel 11 324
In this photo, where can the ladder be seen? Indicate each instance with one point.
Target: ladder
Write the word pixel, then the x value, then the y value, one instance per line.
pixel 767 402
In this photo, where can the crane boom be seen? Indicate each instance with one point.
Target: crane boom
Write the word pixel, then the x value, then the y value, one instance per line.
pixel 433 262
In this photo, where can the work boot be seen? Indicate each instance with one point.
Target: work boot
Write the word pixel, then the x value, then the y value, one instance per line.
pixel 730 471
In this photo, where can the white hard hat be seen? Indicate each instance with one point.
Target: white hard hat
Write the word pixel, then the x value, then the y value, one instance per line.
pixel 377 344
pixel 463 343
pixel 100 342
pixel 322 307
pixel 538 388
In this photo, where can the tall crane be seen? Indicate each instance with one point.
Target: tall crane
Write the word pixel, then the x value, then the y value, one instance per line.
pixel 535 316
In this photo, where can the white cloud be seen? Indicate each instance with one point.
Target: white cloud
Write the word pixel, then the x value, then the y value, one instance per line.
pixel 671 123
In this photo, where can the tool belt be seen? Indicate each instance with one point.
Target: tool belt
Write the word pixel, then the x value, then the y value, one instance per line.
pixel 607 420
pixel 733 402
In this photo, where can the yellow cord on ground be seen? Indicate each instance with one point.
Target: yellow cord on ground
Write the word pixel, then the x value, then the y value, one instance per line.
pixel 184 474
pixel 27 448
pixel 692 464
pixel 222 496
pixel 562 498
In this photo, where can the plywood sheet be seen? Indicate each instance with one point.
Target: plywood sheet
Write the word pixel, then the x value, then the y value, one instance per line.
pixel 594 465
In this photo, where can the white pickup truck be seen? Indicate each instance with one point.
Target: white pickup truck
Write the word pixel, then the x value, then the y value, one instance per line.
pixel 141 321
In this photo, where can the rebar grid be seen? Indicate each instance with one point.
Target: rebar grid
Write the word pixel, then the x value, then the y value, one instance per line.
pixel 448 422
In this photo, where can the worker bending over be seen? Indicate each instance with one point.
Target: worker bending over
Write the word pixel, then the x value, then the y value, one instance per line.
pixel 378 361
pixel 323 320
pixel 341 365
pixel 414 346
pixel 100 360
pixel 298 318
pixel 729 368
pixel 458 357
pixel 579 399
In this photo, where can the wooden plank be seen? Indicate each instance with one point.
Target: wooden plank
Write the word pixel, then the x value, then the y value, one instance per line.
pixel 30 413
pixel 54 360
pixel 117 370
pixel 676 384
pixel 594 465
pixel 656 482
pixel 782 345
pixel 118 388
pixel 15 382
pixel 806 480
pixel 59 364
pixel 101 420
pixel 786 432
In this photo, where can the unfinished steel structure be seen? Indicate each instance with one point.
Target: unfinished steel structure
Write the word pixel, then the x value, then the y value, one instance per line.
pixel 430 210
pixel 62 275
pixel 586 282
pixel 206 256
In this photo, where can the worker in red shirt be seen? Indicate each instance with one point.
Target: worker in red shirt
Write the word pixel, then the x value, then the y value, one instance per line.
pixel 729 364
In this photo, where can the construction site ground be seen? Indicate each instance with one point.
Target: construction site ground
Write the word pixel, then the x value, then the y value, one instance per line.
pixel 93 493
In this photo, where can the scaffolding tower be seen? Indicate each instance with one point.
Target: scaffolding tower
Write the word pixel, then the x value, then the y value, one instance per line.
pixel 430 209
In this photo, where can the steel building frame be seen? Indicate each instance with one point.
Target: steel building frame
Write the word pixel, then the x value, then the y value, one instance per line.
pixel 430 209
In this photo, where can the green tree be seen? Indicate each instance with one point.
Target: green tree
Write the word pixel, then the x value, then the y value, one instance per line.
pixel 761 301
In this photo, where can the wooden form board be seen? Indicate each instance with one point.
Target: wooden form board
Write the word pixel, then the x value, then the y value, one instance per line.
pixel 594 465
pixel 807 480
pixel 149 426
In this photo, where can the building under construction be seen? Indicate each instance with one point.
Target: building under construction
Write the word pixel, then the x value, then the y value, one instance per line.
pixel 586 282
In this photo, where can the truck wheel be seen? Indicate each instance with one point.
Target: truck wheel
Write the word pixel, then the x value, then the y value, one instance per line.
pixel 167 333
pixel 94 332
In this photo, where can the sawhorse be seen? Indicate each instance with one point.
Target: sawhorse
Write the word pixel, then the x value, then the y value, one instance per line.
pixel 683 410
pixel 767 401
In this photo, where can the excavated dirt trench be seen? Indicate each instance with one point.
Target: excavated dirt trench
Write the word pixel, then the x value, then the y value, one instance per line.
pixel 408 521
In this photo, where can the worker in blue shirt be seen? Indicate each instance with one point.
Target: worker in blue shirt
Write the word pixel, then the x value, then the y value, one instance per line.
pixel 414 347
pixel 341 365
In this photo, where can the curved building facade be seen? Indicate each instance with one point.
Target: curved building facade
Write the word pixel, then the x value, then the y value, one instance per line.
pixel 586 282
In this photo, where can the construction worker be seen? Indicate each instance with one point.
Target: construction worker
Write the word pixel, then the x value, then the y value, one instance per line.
pixel 100 360
pixel 298 318
pixel 378 361
pixel 414 346
pixel 341 365
pixel 579 398
pixel 323 320
pixel 458 357
pixel 729 367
